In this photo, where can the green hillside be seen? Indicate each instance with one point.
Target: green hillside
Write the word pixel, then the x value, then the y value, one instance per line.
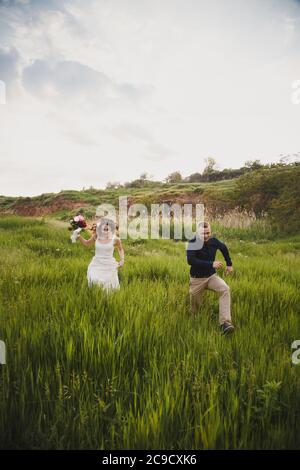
pixel 70 201
pixel 270 191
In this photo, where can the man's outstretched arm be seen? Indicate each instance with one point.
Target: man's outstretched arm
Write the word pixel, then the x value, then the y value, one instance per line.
pixel 225 252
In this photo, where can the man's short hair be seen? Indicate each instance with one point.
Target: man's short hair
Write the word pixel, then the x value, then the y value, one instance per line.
pixel 204 224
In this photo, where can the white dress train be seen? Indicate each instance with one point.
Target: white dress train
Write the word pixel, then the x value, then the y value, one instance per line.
pixel 103 269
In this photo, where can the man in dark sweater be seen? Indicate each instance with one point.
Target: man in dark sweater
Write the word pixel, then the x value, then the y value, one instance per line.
pixel 201 253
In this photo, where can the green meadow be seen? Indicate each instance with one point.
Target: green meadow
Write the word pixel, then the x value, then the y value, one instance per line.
pixel 133 369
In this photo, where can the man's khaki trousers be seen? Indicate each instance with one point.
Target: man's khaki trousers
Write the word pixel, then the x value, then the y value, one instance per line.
pixel 215 283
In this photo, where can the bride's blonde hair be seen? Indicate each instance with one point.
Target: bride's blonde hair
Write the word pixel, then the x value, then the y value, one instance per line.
pixel 105 221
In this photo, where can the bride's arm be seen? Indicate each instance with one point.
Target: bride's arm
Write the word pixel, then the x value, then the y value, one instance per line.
pixel 120 249
pixel 87 242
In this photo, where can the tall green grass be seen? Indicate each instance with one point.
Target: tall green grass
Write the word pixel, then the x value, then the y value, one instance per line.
pixel 132 369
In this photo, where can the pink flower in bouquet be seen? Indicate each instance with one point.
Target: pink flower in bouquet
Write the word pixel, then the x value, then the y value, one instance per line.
pixel 78 222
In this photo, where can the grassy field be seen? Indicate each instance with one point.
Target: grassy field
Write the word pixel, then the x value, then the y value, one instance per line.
pixel 132 370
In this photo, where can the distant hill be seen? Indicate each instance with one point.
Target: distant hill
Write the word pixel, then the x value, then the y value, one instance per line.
pixel 272 191
pixel 69 202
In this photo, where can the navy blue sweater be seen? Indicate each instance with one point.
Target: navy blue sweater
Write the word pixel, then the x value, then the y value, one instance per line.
pixel 201 260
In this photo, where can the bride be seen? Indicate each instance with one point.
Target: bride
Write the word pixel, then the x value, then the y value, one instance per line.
pixel 103 269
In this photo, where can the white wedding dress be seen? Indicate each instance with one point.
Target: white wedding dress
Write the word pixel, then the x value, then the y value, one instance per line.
pixel 103 269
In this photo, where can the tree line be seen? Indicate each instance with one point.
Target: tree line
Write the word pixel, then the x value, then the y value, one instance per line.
pixel 210 173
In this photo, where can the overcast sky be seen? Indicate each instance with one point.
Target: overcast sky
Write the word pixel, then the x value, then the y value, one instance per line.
pixel 104 90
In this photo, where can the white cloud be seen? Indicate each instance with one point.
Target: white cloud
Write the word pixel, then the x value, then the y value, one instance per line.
pixel 104 90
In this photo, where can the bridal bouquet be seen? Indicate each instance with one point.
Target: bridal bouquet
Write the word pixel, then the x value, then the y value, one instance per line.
pixel 77 223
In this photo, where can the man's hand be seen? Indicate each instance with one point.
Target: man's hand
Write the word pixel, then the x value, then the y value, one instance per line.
pixel 229 270
pixel 217 264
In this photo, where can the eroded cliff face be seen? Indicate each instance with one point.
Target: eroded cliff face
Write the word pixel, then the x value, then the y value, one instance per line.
pixel 30 207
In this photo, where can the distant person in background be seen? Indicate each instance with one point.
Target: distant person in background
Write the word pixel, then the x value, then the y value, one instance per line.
pixel 201 253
